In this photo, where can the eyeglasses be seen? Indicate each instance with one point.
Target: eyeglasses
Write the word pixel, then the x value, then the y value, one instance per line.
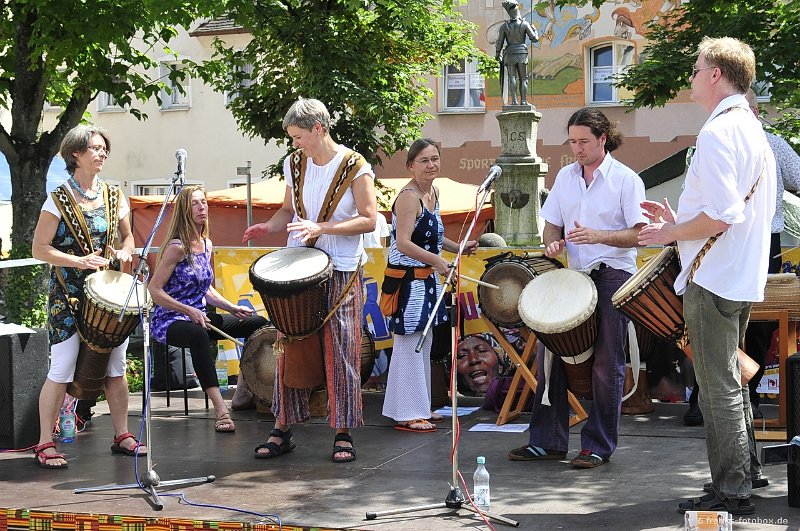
pixel 425 162
pixel 98 149
pixel 696 70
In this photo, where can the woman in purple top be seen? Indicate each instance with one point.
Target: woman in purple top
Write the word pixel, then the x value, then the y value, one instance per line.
pixel 182 285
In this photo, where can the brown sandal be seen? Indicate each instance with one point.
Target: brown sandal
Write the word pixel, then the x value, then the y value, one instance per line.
pixel 43 458
pixel 224 423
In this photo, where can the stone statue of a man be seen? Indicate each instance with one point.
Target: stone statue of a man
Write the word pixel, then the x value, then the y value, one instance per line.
pixel 515 56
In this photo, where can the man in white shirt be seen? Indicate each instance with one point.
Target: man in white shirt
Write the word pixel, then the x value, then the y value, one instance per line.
pixel 729 195
pixel 593 213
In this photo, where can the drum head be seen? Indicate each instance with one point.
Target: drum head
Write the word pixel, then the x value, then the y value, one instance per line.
pixel 290 269
pixel 557 301
pixel 500 305
pixel 111 288
pixel 650 269
pixel 258 363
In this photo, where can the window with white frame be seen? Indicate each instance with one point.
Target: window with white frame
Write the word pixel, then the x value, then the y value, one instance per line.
pixel 107 103
pixel 463 88
pixel 151 189
pixel 245 77
pixel 605 62
pixel 179 96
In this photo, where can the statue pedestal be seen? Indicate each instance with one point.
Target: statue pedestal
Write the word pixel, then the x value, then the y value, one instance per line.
pixel 516 195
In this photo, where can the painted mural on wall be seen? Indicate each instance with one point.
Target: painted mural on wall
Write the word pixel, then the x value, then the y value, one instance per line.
pixel 556 65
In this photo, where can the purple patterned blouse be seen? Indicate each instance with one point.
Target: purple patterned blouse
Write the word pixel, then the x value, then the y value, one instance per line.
pixel 188 284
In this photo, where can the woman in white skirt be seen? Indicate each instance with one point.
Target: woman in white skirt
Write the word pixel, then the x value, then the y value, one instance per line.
pixel 417 240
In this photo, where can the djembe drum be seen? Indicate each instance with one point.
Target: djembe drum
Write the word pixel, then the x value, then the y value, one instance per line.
pixel 294 283
pixel 511 274
pixel 649 298
pixel 560 307
pixel 101 329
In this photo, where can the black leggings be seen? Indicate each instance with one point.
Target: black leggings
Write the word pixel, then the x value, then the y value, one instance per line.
pixel 198 340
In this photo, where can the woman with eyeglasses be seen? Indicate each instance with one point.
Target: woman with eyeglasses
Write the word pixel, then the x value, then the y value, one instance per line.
pixel 417 241
pixel 75 234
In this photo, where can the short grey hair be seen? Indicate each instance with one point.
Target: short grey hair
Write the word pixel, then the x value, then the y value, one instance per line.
pixel 305 113
pixel 77 140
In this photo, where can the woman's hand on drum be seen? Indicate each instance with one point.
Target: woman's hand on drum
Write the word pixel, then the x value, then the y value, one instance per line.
pixel 241 312
pixel 123 255
pixel 91 261
pixel 305 229
pixel 554 249
pixel 658 212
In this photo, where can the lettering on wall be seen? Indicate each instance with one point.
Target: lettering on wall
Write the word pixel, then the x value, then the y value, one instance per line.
pixel 474 164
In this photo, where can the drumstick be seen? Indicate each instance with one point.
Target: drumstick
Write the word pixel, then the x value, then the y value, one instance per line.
pixel 223 334
pixel 479 282
pixel 786 251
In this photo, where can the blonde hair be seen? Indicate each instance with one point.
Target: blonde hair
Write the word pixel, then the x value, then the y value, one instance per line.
pixel 733 57
pixel 182 226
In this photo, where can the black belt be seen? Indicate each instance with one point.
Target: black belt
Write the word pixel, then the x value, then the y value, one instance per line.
pixel 602 265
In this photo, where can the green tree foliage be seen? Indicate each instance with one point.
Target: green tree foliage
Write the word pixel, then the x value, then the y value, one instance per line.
pixel 771 28
pixel 368 61
pixel 65 53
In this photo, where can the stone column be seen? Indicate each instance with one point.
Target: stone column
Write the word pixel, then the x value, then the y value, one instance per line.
pixel 516 195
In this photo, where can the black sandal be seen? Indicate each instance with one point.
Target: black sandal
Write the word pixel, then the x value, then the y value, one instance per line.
pixel 276 450
pixel 343 437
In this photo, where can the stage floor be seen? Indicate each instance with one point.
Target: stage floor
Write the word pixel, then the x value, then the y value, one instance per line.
pixel 659 463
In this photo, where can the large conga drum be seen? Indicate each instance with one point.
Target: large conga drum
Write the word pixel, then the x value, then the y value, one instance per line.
pixel 101 329
pixel 560 307
pixel 293 283
pixel 649 299
pixel 510 273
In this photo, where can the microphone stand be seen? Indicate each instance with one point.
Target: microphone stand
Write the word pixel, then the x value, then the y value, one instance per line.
pixel 150 479
pixel 455 498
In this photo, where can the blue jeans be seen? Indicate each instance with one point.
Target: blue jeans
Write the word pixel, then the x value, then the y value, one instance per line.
pixel 716 326
pixel 549 426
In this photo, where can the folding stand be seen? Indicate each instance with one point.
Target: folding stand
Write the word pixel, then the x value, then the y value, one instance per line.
pixel 512 406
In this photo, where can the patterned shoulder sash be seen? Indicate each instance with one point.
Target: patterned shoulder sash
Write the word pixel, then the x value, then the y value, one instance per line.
pixel 73 218
pixel 351 163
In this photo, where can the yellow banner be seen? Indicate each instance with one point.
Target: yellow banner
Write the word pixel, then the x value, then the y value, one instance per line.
pixel 231 269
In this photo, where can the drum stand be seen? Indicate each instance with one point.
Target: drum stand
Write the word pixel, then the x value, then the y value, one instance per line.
pixel 455 498
pixel 150 479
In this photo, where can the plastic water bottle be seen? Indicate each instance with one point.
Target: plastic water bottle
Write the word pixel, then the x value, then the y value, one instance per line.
pixel 66 421
pixel 480 490
pixel 222 369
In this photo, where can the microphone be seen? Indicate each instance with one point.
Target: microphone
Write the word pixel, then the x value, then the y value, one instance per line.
pixel 181 156
pixel 494 172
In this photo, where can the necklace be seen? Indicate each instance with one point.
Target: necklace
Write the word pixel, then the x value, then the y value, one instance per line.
pixel 76 186
pixel 426 195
